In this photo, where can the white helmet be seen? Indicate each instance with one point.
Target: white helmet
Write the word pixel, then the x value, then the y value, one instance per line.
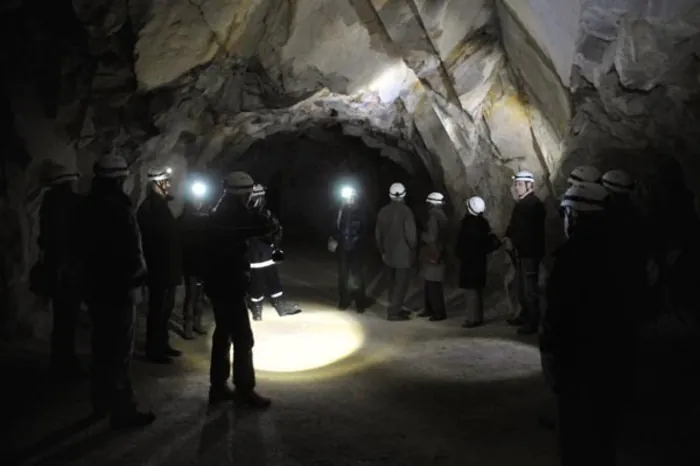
pixel 435 198
pixel 476 205
pixel 58 174
pixel 585 197
pixel 159 173
pixel 111 166
pixel 258 190
pixel 524 175
pixel 584 174
pixel 397 191
pixel 618 181
pixel 239 182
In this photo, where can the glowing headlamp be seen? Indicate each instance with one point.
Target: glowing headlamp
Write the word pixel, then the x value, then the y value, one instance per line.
pixel 347 192
pixel 199 189
pixel 169 170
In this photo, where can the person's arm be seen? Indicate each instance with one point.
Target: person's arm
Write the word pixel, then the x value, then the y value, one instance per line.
pixel 430 235
pixel 133 264
pixel 461 239
pixel 378 234
pixel 410 230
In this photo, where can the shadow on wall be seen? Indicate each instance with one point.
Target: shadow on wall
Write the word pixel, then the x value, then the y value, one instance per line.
pixel 305 171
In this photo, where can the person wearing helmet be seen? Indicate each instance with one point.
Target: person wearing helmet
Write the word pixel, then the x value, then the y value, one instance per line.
pixel 432 258
pixel 525 237
pixel 587 370
pixel 264 276
pixel 59 215
pixel 348 241
pixel 396 237
pixel 231 224
pixel 162 247
pixel 475 242
pixel 584 174
pixel 115 271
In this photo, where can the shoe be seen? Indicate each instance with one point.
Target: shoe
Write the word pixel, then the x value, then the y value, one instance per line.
pixel 188 331
pixel 172 352
pixel 425 314
pixel 131 420
pixel 527 330
pixel 472 324
pixel 288 310
pixel 437 318
pixel 159 359
pixel 342 306
pixel 251 400
pixel 398 318
pixel 219 394
pixel 516 321
pixel 256 312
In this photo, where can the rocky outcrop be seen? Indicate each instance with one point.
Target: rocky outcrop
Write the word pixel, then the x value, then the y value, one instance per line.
pixel 466 90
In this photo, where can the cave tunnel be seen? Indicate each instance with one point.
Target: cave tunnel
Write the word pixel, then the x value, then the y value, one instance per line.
pixel 309 96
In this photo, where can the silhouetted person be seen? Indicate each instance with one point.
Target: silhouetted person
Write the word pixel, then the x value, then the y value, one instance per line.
pixel 264 276
pixel 115 271
pixel 163 251
pixel 59 244
pixel 475 242
pixel 432 258
pixel 525 236
pixel 396 238
pixel 588 368
pixel 232 223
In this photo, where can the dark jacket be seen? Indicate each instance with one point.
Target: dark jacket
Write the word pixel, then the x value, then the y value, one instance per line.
pixel 260 249
pixel 475 242
pixel 350 228
pixel 162 246
pixel 587 335
pixel 230 227
pixel 526 227
pixel 192 222
pixel 112 254
pixel 396 235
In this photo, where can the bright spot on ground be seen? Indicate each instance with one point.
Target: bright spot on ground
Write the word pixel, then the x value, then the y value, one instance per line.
pixel 316 338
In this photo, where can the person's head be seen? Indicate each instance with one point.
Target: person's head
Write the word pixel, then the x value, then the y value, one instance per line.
pixel 112 171
pixel 349 195
pixel 475 206
pixel 582 204
pixel 59 175
pixel 435 199
pixel 257 198
pixel 524 183
pixel 618 183
pixel 397 192
pixel 584 174
pixel 238 187
pixel 160 178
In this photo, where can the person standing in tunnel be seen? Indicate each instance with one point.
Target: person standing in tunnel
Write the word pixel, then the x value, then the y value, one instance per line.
pixel 583 174
pixel 58 242
pixel 226 274
pixel 163 251
pixel 264 254
pixel 396 238
pixel 432 258
pixel 115 271
pixel 475 242
pixel 349 240
pixel 589 371
pixel 193 214
pixel 525 237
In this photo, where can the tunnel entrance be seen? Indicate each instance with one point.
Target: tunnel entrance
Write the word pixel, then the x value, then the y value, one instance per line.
pixel 304 172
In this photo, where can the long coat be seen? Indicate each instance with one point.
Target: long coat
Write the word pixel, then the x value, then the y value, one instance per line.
pixel 162 246
pixel 395 234
pixel 474 244
pixel 435 236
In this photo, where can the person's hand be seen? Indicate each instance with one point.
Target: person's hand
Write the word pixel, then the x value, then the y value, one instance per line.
pixel 136 295
pixel 507 243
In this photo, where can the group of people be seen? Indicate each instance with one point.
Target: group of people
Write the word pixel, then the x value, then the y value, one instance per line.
pixel 401 247
pixel 100 250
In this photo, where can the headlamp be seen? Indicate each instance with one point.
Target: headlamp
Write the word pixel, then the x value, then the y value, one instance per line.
pixel 199 189
pixel 347 192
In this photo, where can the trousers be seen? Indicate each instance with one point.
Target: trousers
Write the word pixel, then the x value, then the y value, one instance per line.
pixel 265 282
pixel 161 301
pixel 399 280
pixel 528 271
pixel 194 297
pixel 66 311
pixel 112 354
pixel 351 277
pixel 232 330
pixel 434 298
pixel 475 305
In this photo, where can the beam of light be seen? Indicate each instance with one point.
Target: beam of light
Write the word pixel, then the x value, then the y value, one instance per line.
pixel 199 189
pixel 347 192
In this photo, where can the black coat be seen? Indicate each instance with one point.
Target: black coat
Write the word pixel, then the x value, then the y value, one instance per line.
pixel 526 227
pixel 350 228
pixel 192 221
pixel 162 246
pixel 475 242
pixel 111 245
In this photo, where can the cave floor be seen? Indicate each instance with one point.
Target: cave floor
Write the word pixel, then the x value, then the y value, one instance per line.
pixel 412 393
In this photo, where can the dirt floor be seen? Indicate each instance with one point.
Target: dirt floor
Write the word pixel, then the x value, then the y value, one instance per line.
pixel 347 389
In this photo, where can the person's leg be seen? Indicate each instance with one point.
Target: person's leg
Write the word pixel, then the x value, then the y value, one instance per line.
pixel 343 280
pixel 398 295
pixel 475 308
pixel 168 306
pixel 66 310
pixel 198 308
pixel 428 311
pixel 188 307
pixel 359 288
pixel 437 300
pixel 155 337
pixel 220 366
pixel 256 293
pixel 530 295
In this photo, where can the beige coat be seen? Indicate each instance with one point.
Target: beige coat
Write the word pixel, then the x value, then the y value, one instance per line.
pixel 435 235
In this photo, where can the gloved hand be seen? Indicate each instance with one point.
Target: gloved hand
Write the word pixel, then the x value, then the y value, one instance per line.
pixel 332 244
pixel 278 255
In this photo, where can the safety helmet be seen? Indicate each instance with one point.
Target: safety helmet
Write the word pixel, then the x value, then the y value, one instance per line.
pixel 476 205
pixel 239 182
pixel 57 174
pixel 435 198
pixel 618 181
pixel 159 173
pixel 585 197
pixel 524 175
pixel 111 166
pixel 397 191
pixel 258 190
pixel 584 174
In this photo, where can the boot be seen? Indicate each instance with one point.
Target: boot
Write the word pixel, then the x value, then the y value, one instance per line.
pixel 220 393
pixel 250 399
pixel 188 331
pixel 284 308
pixel 256 310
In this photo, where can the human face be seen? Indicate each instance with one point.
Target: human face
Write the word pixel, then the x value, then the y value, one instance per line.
pixel 522 188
